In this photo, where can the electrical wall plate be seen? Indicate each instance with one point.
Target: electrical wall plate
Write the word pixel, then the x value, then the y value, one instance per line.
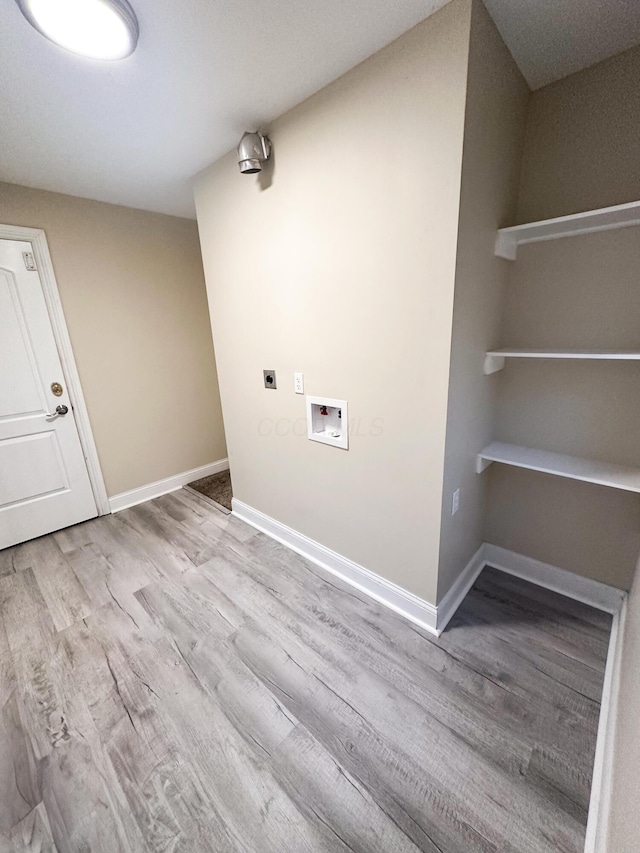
pixel 269 378
pixel 328 421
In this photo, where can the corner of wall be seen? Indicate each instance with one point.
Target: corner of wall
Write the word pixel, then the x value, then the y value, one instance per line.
pixel 350 281
pixel 496 104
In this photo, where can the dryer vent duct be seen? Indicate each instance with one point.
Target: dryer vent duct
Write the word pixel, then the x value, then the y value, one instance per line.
pixel 254 150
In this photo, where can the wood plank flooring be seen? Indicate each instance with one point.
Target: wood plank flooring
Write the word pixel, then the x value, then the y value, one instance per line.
pixel 173 680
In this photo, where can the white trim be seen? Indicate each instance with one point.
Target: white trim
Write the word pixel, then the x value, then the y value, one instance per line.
pixel 589 591
pixel 385 592
pixel 601 781
pixel 457 593
pixel 38 240
pixel 163 487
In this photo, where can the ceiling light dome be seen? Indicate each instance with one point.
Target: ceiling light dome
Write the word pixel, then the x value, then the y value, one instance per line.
pixel 99 29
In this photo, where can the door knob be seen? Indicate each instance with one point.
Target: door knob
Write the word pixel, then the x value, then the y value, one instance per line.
pixel 60 410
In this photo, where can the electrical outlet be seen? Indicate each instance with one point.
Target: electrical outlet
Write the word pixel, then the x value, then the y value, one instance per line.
pixel 269 378
pixel 298 383
pixel 455 502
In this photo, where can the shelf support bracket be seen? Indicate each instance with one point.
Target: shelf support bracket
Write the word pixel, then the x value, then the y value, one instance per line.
pixel 493 363
pixel 482 464
pixel 506 246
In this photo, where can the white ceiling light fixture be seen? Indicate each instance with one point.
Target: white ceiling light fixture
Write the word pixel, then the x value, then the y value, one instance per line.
pixel 98 29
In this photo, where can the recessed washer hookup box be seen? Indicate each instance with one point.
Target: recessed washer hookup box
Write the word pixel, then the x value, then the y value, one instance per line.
pixel 328 421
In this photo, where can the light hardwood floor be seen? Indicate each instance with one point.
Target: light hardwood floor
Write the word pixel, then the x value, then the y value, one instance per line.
pixel 172 680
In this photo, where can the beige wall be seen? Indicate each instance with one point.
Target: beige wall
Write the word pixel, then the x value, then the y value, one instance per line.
pixel 579 293
pixel 494 133
pixel 132 289
pixel 586 529
pixel 582 141
pixel 341 265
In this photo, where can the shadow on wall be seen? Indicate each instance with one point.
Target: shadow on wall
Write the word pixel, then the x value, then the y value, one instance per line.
pixel 265 177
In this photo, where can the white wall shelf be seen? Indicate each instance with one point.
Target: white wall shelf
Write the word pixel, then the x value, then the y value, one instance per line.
pixel 603 219
pixel 571 467
pixel 495 359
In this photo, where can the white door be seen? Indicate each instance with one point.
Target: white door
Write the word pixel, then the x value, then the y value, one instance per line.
pixel 44 484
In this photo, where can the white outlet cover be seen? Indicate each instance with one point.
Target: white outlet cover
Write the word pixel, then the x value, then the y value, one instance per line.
pixel 298 383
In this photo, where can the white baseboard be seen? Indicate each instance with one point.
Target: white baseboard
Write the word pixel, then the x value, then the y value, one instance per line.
pixel 428 616
pixel 455 596
pixel 595 593
pixel 391 595
pixel 602 779
pixel 163 487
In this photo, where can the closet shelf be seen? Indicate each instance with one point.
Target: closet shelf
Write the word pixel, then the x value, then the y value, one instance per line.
pixel 571 467
pixel 495 359
pixel 603 219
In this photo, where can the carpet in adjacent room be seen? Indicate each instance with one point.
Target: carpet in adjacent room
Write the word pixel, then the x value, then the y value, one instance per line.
pixel 216 487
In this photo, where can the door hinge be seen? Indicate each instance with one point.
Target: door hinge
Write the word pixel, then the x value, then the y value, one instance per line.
pixel 30 261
